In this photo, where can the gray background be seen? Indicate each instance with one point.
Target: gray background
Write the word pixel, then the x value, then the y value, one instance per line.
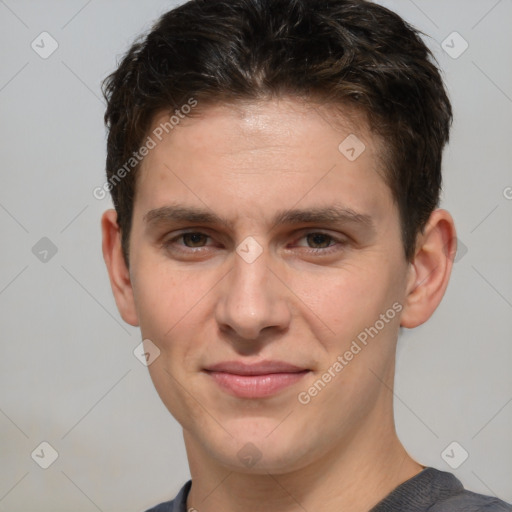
pixel 68 374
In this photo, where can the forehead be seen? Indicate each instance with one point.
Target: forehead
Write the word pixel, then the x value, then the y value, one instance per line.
pixel 275 123
pixel 262 156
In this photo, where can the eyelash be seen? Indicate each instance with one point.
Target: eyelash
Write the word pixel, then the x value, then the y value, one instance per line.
pixel 336 244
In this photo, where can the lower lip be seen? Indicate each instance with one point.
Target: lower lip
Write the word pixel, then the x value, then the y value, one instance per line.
pixel 255 386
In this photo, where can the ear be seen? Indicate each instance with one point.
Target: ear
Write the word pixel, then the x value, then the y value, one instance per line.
pixel 117 268
pixel 429 272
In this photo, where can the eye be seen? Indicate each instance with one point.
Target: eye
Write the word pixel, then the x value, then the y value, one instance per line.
pixel 194 240
pixel 320 244
pixel 319 240
pixel 191 242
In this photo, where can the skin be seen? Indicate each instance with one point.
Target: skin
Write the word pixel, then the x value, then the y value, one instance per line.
pixel 201 303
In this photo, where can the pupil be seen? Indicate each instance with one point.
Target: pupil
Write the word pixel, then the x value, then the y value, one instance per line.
pixel 319 239
pixel 193 238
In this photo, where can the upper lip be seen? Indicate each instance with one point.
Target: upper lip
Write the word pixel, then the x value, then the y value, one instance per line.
pixel 261 368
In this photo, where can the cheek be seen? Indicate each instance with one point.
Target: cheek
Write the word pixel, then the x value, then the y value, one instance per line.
pixel 342 302
pixel 162 298
pixel 176 310
pixel 168 305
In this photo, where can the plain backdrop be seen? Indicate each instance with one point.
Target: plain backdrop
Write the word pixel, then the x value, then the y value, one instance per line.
pixel 68 373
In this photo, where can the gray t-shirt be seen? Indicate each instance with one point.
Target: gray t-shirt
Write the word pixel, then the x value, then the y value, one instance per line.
pixel 430 490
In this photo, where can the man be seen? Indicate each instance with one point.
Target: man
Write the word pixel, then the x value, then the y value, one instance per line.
pixel 275 166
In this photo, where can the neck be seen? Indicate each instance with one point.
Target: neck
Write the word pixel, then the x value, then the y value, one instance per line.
pixel 353 476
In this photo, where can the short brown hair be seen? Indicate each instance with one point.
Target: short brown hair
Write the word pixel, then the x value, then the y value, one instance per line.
pixel 348 52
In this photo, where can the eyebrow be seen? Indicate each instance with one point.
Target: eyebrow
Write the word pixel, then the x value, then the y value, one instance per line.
pixel 330 215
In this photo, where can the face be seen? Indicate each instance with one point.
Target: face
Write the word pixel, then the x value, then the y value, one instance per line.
pixel 267 267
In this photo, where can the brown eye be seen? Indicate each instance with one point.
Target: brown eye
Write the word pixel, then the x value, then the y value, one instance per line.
pixel 194 239
pixel 318 240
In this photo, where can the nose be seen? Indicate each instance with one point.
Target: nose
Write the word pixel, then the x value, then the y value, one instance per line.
pixel 252 300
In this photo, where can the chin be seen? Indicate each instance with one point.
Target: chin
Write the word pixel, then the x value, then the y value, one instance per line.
pixel 277 453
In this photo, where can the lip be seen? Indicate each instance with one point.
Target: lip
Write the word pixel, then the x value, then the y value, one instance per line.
pixel 258 380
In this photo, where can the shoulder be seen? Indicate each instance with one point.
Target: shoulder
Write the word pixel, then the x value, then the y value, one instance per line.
pixel 433 490
pixel 467 501
pixel 163 507
pixel 178 504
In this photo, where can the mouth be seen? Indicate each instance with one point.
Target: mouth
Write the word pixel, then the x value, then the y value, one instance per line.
pixel 258 380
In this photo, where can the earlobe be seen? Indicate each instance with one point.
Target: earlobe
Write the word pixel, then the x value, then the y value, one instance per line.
pixel 429 272
pixel 117 269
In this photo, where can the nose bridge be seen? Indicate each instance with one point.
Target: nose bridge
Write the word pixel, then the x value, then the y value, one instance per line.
pixel 251 299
